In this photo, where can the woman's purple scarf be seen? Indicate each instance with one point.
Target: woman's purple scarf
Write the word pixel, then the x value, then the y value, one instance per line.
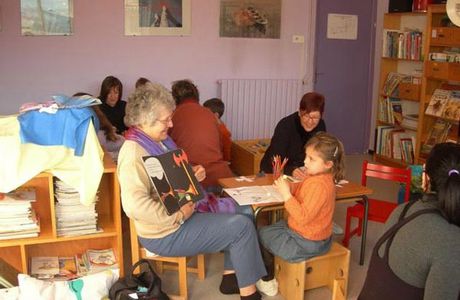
pixel 209 203
pixel 153 148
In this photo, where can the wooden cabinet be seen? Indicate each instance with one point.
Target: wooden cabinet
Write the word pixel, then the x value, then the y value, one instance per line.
pixel 247 154
pixel 403 35
pixel 17 252
pixel 444 38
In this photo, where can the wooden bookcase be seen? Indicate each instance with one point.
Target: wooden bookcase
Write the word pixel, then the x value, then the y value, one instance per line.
pixel 409 93
pixel 17 252
pixel 437 74
pixel 247 154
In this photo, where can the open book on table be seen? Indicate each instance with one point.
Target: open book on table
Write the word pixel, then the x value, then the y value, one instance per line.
pixel 173 178
pixel 248 195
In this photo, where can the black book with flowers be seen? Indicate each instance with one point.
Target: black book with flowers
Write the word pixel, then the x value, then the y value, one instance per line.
pixel 173 178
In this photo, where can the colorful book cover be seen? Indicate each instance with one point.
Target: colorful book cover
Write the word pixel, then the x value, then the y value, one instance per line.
pixel 173 178
pixel 438 102
pixel 44 267
pixel 452 109
pixel 104 258
pixel 67 268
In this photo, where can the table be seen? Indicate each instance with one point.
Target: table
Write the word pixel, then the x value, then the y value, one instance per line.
pixel 346 193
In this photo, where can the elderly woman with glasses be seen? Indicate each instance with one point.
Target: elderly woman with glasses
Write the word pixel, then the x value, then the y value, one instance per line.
pixel 184 233
pixel 293 132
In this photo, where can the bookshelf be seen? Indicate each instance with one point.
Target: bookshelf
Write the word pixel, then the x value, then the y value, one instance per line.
pixel 401 67
pixel 439 73
pixel 17 252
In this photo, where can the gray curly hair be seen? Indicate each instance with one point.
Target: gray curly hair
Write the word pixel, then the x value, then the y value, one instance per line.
pixel 144 103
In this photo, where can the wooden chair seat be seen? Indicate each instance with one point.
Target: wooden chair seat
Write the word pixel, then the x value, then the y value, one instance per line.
pixel 330 269
pixel 163 262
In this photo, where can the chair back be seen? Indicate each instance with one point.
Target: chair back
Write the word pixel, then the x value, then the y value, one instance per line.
pixel 387 173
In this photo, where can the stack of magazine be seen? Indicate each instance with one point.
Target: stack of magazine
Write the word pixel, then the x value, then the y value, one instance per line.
pixel 17 217
pixel 72 217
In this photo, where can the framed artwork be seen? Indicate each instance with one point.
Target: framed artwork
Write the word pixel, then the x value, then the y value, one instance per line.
pixel 46 17
pixel 250 19
pixel 157 17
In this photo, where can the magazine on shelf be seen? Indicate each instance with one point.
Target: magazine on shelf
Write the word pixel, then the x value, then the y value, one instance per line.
pixel 173 178
pixel 99 260
pixel 438 102
pixel 44 267
pixel 438 134
pixel 452 109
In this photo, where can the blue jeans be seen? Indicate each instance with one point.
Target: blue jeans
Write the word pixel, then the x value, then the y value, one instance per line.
pixel 234 234
pixel 290 246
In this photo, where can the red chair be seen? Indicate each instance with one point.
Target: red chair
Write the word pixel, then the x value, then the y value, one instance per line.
pixel 379 210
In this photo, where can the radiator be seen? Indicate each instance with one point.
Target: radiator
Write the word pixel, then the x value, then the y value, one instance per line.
pixel 253 107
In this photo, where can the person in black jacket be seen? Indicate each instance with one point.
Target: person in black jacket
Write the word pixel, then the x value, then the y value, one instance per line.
pixel 293 132
pixel 112 105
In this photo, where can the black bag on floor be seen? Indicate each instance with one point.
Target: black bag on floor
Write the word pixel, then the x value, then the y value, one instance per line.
pixel 146 285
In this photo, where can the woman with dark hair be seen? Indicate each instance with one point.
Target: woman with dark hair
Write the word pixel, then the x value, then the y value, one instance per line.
pixel 196 131
pixel 418 256
pixel 112 105
pixel 293 132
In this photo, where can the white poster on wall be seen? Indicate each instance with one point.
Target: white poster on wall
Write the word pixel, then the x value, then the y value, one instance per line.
pixel 343 27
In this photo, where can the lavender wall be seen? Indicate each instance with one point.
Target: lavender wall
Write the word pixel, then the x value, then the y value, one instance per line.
pixel 33 68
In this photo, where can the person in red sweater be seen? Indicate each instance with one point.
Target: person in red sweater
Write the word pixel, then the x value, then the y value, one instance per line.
pixel 309 206
pixel 195 130
pixel 217 107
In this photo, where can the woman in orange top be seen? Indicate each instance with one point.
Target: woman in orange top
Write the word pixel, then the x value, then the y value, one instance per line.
pixel 310 209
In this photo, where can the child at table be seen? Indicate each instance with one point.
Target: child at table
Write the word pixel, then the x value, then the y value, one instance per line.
pixel 310 208
pixel 217 106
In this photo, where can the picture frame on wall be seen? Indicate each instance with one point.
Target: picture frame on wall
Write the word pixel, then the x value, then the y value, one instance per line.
pixel 46 17
pixel 250 19
pixel 158 17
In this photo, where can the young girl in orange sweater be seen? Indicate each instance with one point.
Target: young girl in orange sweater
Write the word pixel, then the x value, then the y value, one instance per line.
pixel 309 205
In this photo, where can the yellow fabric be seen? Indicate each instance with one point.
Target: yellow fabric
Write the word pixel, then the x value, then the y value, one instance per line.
pixel 21 162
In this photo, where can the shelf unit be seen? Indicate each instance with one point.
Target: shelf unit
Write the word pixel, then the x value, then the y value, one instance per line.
pixel 409 94
pixel 247 154
pixel 437 74
pixel 17 252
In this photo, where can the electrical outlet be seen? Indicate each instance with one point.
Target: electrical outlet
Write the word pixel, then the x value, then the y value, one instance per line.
pixel 298 39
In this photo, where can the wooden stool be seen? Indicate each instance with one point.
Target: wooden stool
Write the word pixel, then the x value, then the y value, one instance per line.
pixel 330 269
pixel 180 263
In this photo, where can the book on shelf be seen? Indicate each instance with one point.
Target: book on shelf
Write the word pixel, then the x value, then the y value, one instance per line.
pixel 173 178
pixel 410 121
pixel 438 103
pixel 72 217
pixel 402 44
pixel 17 217
pixel 437 134
pixel 67 268
pixel 44 267
pixel 397 112
pixel 99 260
pixel 8 275
pixel 452 108
pixel 395 143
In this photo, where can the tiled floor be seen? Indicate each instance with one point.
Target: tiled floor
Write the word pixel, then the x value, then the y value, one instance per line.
pixel 208 288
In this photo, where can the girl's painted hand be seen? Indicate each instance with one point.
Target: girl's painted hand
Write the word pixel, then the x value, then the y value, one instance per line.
pixel 200 172
pixel 299 173
pixel 283 187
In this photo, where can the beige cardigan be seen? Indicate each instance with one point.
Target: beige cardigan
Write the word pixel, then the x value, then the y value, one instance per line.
pixel 139 199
